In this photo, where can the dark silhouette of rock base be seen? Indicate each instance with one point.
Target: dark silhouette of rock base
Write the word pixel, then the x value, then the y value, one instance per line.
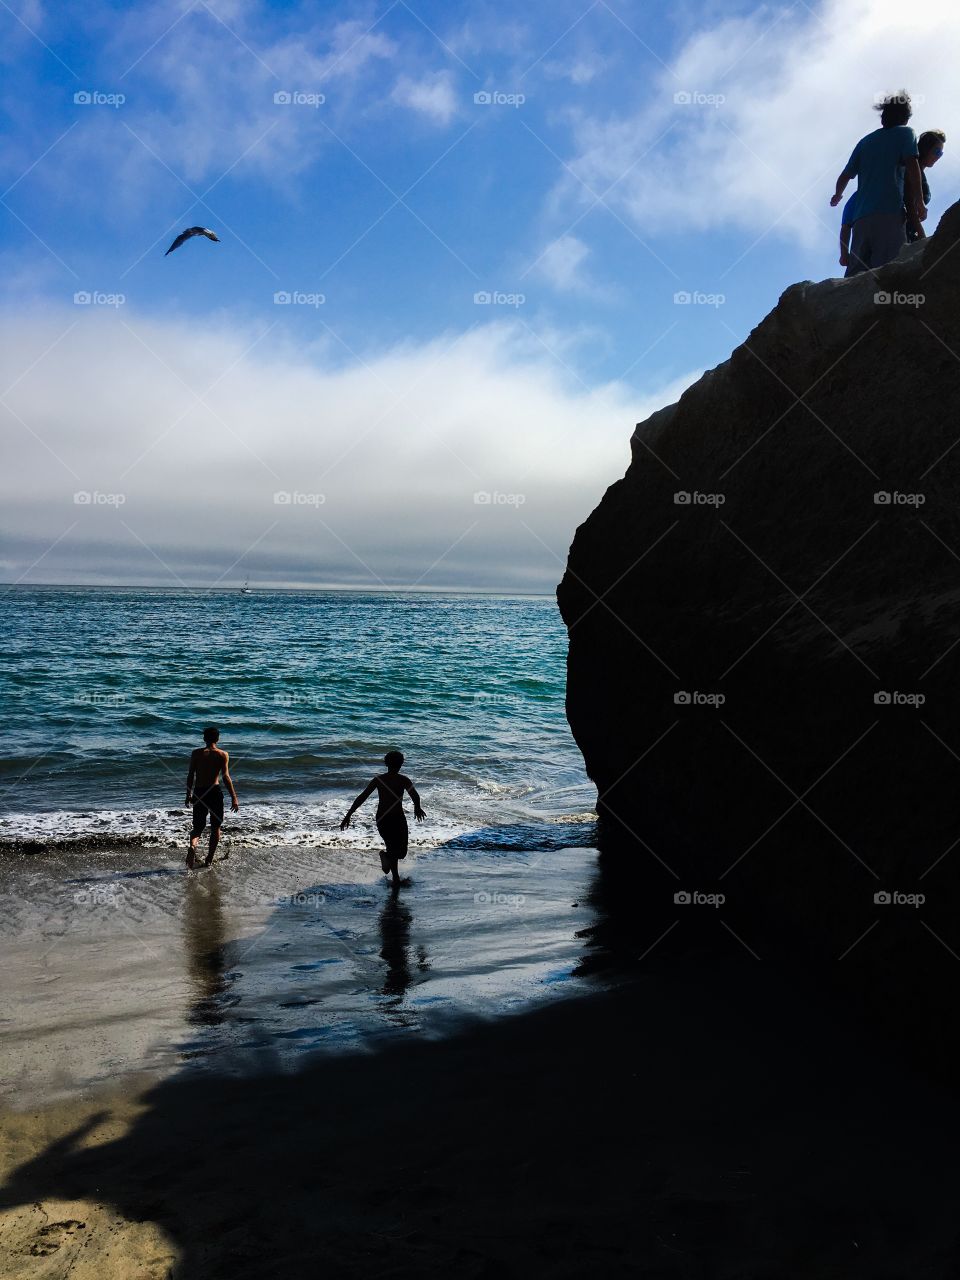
pixel 787 539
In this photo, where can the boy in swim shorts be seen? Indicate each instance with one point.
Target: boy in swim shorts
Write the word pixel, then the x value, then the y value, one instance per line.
pixel 391 820
pixel 204 793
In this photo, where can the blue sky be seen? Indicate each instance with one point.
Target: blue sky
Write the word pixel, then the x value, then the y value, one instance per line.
pixel 614 160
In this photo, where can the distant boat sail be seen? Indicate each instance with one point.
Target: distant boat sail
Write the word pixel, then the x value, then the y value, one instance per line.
pixel 245 589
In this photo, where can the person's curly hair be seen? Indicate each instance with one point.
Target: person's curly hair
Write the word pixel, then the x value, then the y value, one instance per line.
pixel 896 108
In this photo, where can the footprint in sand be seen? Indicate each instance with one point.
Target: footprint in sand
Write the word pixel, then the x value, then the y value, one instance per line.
pixel 53 1235
pixel 48 1240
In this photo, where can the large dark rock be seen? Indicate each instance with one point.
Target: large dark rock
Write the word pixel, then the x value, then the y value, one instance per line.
pixel 814 608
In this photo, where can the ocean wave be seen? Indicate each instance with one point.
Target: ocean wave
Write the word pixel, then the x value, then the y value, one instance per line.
pixel 458 823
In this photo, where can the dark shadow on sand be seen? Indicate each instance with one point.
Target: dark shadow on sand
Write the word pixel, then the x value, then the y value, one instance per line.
pixel 709 1121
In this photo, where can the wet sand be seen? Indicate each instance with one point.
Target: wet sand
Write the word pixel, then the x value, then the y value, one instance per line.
pixel 128 964
pixel 693 1114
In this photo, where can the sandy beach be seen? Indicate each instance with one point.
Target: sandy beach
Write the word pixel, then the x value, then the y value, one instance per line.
pixel 512 1093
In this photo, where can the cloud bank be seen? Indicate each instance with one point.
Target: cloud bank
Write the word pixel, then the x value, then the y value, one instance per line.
pixel 203 453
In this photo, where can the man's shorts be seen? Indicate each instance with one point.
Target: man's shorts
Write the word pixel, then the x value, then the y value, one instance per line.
pixel 875 241
pixel 209 804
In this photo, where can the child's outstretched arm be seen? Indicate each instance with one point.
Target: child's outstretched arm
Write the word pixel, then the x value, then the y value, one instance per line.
pixel 357 803
pixel 418 811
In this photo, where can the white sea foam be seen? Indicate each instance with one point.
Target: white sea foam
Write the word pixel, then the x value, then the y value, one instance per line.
pixel 454 812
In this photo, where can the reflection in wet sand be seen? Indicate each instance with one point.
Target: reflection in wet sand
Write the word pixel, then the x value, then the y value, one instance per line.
pixel 203 933
pixel 395 920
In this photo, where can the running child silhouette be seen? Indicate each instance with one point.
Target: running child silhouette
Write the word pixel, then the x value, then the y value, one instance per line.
pixel 391 820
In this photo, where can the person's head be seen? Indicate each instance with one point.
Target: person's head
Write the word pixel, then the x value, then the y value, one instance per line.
pixel 930 145
pixel 393 760
pixel 895 109
pixel 211 735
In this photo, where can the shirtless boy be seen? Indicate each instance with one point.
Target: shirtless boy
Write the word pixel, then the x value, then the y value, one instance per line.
pixel 391 820
pixel 204 793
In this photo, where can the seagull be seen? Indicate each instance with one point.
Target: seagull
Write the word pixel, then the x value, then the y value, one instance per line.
pixel 192 231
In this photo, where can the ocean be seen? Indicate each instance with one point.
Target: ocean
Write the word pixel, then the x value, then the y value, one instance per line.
pixel 119 961
pixel 104 692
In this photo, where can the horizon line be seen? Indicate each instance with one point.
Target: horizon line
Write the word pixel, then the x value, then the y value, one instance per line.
pixel 384 590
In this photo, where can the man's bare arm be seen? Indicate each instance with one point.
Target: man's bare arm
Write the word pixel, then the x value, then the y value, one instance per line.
pixel 837 196
pixel 229 781
pixel 357 803
pixel 191 774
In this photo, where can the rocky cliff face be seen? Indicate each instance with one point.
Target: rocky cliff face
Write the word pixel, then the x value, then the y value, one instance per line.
pixel 764 622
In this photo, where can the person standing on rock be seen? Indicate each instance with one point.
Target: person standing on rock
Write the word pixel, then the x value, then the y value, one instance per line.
pixel 887 168
pixel 930 146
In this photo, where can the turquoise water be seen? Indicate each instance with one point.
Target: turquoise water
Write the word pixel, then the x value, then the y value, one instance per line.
pixel 104 692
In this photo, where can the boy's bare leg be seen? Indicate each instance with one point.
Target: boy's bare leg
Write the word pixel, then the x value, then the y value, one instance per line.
pixel 214 841
pixel 192 853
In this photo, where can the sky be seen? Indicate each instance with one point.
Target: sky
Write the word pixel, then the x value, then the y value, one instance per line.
pixel 463 249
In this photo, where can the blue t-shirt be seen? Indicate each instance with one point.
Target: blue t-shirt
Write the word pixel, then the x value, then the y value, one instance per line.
pixel 877 164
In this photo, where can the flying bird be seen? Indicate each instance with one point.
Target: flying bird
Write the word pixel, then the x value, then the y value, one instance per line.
pixel 192 231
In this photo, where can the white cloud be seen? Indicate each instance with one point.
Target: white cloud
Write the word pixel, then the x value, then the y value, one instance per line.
pixel 432 96
pixel 579 70
pixel 397 446
pixel 200 86
pixel 561 262
pixel 797 87
pixel 218 93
